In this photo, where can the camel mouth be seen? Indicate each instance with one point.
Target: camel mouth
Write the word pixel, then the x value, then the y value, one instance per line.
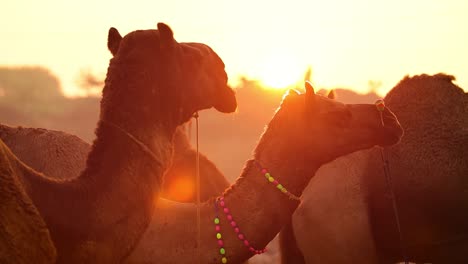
pixel 226 102
pixel 392 130
pixel 392 134
pixel 391 137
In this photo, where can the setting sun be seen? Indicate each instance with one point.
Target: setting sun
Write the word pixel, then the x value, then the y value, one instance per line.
pixel 280 71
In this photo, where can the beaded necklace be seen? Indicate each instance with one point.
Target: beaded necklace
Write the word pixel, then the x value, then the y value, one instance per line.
pixel 240 235
pixel 219 237
pixel 278 185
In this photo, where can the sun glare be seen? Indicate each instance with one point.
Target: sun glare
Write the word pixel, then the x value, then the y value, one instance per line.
pixel 280 71
pixel 181 189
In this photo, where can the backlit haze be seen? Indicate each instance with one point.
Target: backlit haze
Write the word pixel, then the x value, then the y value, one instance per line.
pixel 347 43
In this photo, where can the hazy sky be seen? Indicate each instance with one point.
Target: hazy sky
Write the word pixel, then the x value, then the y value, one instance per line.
pixel 347 43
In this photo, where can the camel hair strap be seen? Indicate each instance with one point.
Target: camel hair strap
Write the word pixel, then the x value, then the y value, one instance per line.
pixel 381 107
pixel 142 146
pixel 388 180
pixel 197 180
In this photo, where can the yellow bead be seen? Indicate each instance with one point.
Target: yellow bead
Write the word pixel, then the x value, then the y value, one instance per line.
pixel 216 220
pixel 271 179
pixel 284 190
pixel 218 235
pixel 267 175
pixel 279 186
pixel 224 260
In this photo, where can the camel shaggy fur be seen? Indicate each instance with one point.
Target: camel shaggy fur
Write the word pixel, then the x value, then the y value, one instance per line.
pixel 23 234
pixel 153 85
pixel 349 205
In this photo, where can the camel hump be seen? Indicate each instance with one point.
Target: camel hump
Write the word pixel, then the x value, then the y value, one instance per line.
pixel 69 152
pixel 28 225
pixel 425 87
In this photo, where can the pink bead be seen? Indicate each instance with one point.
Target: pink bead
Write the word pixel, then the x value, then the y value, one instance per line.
pixel 236 230
pixel 226 210
pixel 275 182
pixel 257 251
pixel 264 171
pixel 220 243
pixel 246 243
pixel 233 224
pixel 252 249
pixel 217 228
pixel 229 217
pixel 240 236
pixel 221 203
pixel 264 250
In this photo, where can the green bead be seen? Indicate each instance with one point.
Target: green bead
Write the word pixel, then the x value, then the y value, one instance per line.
pixel 224 260
pixel 218 235
pixel 216 220
pixel 267 175
pixel 271 179
pixel 279 186
pixel 222 251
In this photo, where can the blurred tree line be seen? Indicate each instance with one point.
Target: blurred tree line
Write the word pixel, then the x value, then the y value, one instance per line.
pixel 32 97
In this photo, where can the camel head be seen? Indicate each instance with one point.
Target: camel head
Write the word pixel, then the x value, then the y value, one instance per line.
pixel 325 129
pixel 164 77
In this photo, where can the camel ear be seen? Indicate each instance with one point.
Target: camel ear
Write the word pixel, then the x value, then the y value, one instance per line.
pixel 289 94
pixel 166 37
pixel 309 88
pixel 113 40
pixel 332 94
pixel 292 92
pixel 310 96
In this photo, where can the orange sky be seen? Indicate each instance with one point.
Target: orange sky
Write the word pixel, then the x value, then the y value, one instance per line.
pixel 347 43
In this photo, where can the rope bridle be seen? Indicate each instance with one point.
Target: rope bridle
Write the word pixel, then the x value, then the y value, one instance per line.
pixel 381 107
pixel 197 185
pixel 142 146
pixel 388 180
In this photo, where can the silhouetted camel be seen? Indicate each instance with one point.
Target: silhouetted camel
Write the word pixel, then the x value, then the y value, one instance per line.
pixel 153 85
pixel 349 206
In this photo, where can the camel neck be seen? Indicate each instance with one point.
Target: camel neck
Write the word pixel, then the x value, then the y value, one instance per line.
pixel 117 150
pixel 257 206
pixel 259 209
pixel 113 195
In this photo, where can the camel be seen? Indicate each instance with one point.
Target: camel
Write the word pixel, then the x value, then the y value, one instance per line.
pixel 318 130
pixel 20 221
pixel 153 85
pixel 348 201
pixel 301 118
pixel 61 155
